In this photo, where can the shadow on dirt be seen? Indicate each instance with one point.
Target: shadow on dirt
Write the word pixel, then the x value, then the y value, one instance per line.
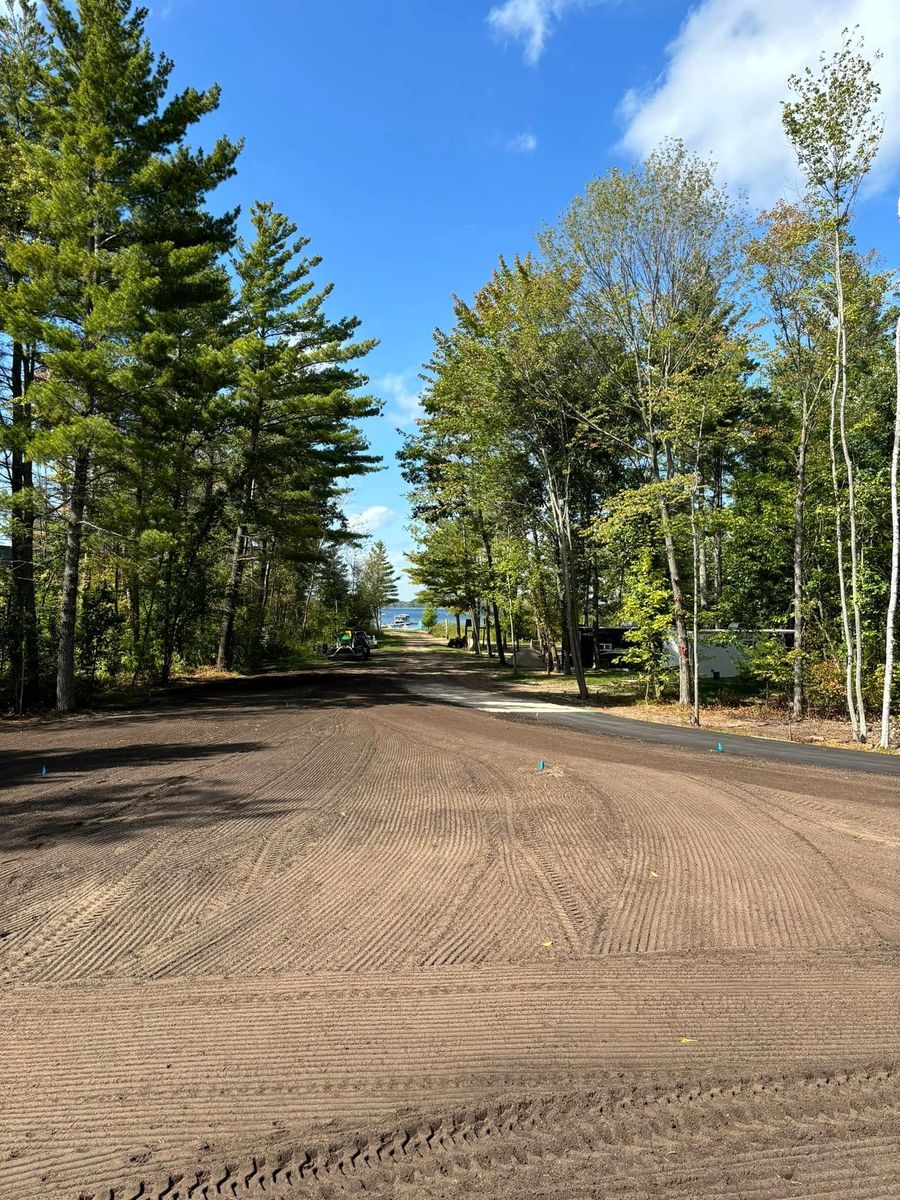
pixel 61 766
pixel 73 807
pixel 52 783
pixel 115 814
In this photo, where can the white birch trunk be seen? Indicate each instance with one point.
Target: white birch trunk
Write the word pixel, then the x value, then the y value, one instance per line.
pixel 695 658
pixel 895 562
pixel 854 680
pixel 849 640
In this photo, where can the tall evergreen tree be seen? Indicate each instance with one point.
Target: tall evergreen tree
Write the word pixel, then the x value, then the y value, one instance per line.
pixel 23 54
pixel 378 582
pixel 296 402
pixel 84 271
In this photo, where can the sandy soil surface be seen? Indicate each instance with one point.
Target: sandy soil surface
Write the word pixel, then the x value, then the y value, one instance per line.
pixel 313 936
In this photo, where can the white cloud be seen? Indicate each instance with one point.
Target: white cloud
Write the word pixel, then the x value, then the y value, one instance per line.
pixel 522 143
pixel 727 74
pixel 400 562
pixel 371 519
pixel 528 21
pixel 402 390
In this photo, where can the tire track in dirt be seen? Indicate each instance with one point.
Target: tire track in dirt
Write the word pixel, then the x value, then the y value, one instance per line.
pixel 149 778
pixel 422 838
pixel 261 902
pixel 712 868
pixel 558 849
pixel 131 902
pixel 764 1125
pixel 864 852
pixel 132 1064
pixel 478 904
pixel 57 934
pixel 349 931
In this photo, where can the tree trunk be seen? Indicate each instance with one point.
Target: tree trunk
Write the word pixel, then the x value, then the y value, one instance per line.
pixel 182 569
pixel 854 679
pixel 717 534
pixel 549 654
pixel 476 630
pixel 854 547
pixel 703 578
pixel 134 619
pixel 23 640
pixel 488 554
pixel 842 582
pixel 498 633
pixel 684 668
pixel 265 581
pixel 885 739
pixel 168 647
pixel 849 643
pixel 542 610
pixel 702 568
pixel 595 612
pixel 226 633
pixel 65 657
pixel 513 637
pixel 695 657
pixel 225 655
pixel 308 600
pixel 799 502
pixel 559 508
pixel 458 626
pixel 565 657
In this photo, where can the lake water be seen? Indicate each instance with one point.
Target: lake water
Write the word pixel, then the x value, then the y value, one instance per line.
pixel 414 612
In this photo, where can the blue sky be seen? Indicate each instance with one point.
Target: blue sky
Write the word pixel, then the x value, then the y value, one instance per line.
pixel 415 140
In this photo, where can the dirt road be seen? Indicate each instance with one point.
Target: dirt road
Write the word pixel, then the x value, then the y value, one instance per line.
pixel 318 935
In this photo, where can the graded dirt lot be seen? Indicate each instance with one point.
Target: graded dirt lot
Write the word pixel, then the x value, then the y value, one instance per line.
pixel 317 935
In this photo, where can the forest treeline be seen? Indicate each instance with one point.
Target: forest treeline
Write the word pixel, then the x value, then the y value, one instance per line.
pixel 679 419
pixel 179 413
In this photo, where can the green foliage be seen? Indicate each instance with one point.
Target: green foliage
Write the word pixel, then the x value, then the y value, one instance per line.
pixel 377 583
pixel 163 392
pixel 101 637
pixel 832 123
pixel 293 411
pixel 609 438
pixel 769 662
pixel 646 607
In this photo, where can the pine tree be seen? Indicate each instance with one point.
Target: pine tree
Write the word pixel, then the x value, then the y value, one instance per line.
pixel 171 494
pixel 173 500
pixel 378 582
pixel 296 404
pixel 84 270
pixel 23 53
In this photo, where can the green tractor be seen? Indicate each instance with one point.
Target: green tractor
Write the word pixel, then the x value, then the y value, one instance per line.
pixel 352 644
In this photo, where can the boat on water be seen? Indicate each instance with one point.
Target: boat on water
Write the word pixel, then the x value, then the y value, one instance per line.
pixel 400 621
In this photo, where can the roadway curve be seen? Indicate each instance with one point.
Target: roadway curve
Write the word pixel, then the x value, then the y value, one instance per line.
pixel 434 675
